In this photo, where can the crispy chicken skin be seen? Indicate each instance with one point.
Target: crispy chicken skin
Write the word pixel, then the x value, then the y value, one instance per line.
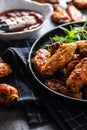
pixel 80 3
pixel 82 48
pixel 5 69
pixel 59 59
pixel 78 76
pixel 74 13
pixel 59 15
pixel 41 57
pixel 71 65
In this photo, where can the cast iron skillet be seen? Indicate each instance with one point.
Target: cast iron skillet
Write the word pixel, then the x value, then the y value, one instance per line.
pixel 41 43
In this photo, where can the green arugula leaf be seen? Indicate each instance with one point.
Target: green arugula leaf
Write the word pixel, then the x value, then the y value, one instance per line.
pixel 74 34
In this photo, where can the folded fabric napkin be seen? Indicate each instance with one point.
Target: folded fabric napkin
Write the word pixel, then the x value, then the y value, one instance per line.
pixel 67 116
pixel 19 78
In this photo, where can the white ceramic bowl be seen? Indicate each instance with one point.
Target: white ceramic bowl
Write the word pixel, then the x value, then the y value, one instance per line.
pixel 44 9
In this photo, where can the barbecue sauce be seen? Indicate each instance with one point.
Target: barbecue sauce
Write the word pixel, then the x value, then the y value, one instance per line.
pixel 18 26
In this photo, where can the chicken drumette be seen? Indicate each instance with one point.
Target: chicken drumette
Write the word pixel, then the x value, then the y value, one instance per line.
pixel 59 15
pixel 41 57
pixel 8 94
pixel 74 13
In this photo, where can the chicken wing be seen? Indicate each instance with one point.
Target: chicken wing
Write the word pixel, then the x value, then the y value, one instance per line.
pixel 61 87
pixel 41 57
pixel 78 76
pixel 8 94
pixel 59 15
pixel 74 13
pixel 59 59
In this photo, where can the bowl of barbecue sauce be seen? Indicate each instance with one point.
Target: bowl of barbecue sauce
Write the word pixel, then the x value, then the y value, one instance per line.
pixel 21 19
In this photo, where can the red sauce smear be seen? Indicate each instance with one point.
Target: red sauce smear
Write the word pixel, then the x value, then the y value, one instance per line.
pixel 19 13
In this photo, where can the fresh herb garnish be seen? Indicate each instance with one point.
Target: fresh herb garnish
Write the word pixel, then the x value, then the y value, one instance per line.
pixel 75 33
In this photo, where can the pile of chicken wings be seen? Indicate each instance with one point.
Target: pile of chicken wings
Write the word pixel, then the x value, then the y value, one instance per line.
pixel 64 68
pixel 72 11
pixel 8 93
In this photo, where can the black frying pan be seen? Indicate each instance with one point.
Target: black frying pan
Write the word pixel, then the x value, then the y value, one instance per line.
pixel 41 43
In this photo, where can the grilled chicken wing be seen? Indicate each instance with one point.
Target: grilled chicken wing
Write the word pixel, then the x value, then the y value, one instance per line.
pixel 59 15
pixel 78 76
pixel 61 87
pixel 41 57
pixel 8 94
pixel 74 13
pixel 80 3
pixel 82 48
pixel 5 69
pixel 59 59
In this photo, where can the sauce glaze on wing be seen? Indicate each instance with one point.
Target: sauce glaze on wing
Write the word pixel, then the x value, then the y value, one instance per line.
pixel 41 57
